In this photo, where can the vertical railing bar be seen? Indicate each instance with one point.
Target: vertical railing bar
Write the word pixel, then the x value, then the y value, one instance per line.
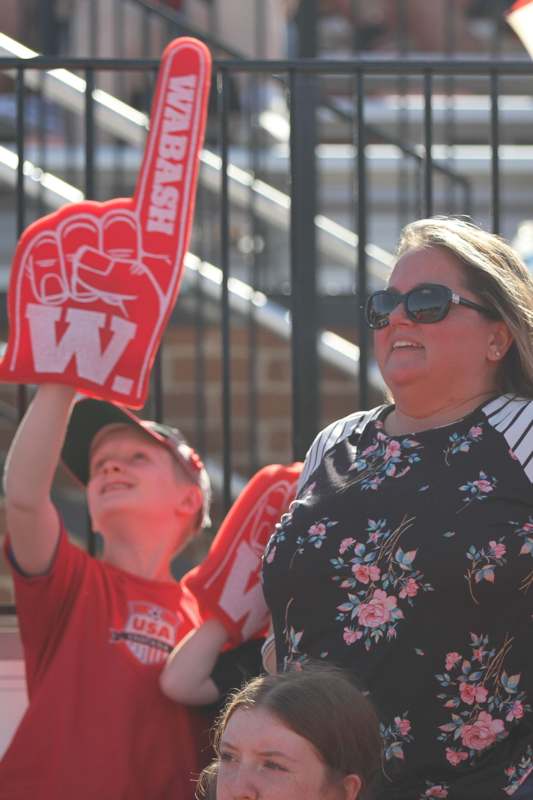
pixel 402 84
pixel 304 310
pixel 467 202
pixel 166 33
pixel 89 134
pixel 200 362
pixel 20 144
pixel 203 213
pixel 93 28
pixel 41 141
pixel 449 91
pixel 449 138
pixel 157 385
pixel 428 143
pixel 402 29
pixel 356 40
pixel 495 146
pixel 146 18
pixel 119 29
pixel 22 390
pixel 293 244
pixel 119 36
pixel 253 339
pixel 361 194
pixel 146 88
pixel 223 89
pixel 449 29
pixel 418 188
pixel 89 195
pixel 496 13
pixel 259 29
pixel 213 20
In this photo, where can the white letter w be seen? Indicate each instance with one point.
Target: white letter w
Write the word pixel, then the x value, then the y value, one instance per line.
pixel 81 340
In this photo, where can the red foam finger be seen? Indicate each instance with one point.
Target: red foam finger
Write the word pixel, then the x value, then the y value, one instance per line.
pixel 226 585
pixel 92 285
pixel 164 196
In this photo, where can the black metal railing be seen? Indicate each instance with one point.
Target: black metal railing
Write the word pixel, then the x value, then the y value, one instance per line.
pixel 290 254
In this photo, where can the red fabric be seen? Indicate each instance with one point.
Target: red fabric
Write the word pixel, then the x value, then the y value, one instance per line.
pixel 518 4
pixel 227 584
pixel 93 284
pixel 98 725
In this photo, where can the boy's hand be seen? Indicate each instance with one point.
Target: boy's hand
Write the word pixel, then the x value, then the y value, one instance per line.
pixel 227 584
pixel 93 284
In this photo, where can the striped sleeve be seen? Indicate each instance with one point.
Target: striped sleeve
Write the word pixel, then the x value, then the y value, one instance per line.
pixel 513 417
pixel 328 438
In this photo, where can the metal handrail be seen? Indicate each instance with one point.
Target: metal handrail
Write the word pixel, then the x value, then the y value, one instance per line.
pixel 412 65
pixel 178 19
pixel 120 119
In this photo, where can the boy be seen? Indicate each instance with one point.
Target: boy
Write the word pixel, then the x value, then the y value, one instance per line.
pixel 96 633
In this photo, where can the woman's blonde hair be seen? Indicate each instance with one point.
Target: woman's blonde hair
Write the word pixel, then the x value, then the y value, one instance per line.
pixel 495 272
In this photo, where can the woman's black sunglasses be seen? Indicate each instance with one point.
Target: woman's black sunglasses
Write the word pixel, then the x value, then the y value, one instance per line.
pixel 426 304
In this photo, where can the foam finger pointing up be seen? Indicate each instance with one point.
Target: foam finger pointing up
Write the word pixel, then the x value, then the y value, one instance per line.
pixel 164 196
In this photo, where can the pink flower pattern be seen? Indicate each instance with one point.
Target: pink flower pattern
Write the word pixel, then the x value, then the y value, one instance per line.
pixel 518 773
pixel 380 610
pixel 482 733
pixel 471 694
pixel 477 490
pixel 482 699
pixel 395 737
pixel 365 574
pixel 462 443
pixel 525 532
pixel 515 712
pixel 452 659
pixel 484 561
pixel 377 574
pixel 439 790
pixel 351 636
pixel 385 458
pixel 454 757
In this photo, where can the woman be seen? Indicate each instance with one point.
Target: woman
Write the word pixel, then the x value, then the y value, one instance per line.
pixel 302 734
pixel 406 556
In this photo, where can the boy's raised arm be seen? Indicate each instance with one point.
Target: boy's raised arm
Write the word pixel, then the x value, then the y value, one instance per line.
pixel 32 519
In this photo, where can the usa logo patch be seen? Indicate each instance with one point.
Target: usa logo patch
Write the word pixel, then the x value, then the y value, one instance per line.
pixel 149 633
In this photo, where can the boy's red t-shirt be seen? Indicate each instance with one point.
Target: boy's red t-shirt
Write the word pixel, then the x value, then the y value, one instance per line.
pixel 98 726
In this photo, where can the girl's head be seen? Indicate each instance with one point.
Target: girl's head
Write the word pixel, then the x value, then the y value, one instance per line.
pixel 308 733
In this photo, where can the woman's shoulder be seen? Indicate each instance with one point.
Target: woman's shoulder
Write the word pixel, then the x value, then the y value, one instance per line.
pixel 511 416
pixel 334 433
pixel 509 410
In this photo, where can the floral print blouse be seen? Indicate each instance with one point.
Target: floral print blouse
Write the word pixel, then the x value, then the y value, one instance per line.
pixel 409 560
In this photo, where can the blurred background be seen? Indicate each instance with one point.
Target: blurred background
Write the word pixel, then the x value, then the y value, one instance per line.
pixel 331 125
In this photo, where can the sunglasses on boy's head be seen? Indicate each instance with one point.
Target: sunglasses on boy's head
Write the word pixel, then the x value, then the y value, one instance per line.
pixel 426 304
